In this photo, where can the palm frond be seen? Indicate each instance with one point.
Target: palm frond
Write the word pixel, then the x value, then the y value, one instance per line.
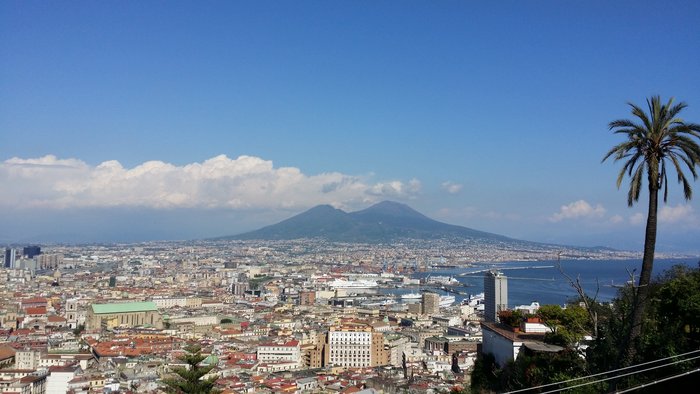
pixel 635 185
pixel 673 111
pixel 652 137
pixel 687 190
pixel 638 112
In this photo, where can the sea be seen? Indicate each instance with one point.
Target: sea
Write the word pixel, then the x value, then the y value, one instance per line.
pixel 544 282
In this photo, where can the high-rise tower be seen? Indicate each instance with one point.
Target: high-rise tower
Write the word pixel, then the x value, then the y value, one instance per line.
pixel 9 258
pixel 495 294
pixel 31 251
pixel 431 303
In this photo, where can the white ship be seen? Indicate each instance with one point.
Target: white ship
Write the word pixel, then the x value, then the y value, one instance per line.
pixel 442 280
pixel 352 284
pixel 446 301
pixel 387 302
pixel 532 308
pixel 476 301
pixel 411 296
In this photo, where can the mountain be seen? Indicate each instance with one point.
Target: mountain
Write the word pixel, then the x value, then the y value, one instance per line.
pixel 383 222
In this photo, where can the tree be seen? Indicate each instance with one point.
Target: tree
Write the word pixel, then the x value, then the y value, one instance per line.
pixel 671 328
pixel 189 379
pixel 568 325
pixel 79 329
pixel 655 141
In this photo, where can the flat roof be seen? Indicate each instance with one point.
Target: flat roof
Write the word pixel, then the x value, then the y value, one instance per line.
pixel 543 347
pixel 125 307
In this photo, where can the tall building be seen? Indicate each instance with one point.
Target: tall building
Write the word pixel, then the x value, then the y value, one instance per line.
pixel 239 288
pixel 355 345
pixel 495 294
pixel 31 251
pixel 48 261
pixel 307 297
pixel 10 258
pixel 431 303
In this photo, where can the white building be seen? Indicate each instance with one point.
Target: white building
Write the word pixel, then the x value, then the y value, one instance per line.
pixel 57 381
pixel 355 346
pixel 171 302
pixel 280 351
pixel 27 359
pixel 504 346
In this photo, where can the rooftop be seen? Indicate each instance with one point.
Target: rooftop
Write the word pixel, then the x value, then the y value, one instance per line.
pixel 124 307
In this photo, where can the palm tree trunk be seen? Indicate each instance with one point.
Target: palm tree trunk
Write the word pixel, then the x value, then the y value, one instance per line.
pixel 642 290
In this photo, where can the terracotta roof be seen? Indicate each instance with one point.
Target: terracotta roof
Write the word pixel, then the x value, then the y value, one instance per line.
pixel 41 310
pixel 34 300
pixel 292 343
pixel 6 352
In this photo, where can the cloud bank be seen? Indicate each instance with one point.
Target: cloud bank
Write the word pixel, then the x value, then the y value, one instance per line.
pixel 578 210
pixel 246 182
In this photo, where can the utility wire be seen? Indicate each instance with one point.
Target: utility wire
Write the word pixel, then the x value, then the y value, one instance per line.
pixel 603 373
pixel 619 376
pixel 658 381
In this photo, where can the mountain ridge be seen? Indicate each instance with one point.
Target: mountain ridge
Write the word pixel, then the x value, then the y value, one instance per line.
pixel 386 221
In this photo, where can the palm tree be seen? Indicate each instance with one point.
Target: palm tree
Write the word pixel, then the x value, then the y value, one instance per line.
pixel 655 142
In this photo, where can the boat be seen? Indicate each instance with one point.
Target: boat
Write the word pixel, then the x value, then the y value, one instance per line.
pixel 442 280
pixel 352 284
pixel 532 308
pixel 446 301
pixel 386 302
pixel 411 296
pixel 476 301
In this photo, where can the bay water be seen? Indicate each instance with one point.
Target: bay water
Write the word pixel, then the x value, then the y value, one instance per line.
pixel 544 282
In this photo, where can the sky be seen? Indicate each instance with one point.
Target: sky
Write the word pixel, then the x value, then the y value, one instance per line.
pixel 128 120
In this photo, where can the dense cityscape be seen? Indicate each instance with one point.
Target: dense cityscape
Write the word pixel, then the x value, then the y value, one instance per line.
pixel 370 197
pixel 265 313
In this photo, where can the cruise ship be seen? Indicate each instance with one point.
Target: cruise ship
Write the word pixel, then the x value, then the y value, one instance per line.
pixel 352 284
pixel 476 301
pixel 387 302
pixel 446 300
pixel 442 280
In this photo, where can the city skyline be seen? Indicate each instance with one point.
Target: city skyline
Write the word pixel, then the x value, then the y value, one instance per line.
pixel 128 122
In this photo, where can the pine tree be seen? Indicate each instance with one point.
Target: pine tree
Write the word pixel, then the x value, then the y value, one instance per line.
pixel 189 379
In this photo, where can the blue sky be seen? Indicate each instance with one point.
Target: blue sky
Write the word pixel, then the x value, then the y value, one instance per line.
pixel 151 120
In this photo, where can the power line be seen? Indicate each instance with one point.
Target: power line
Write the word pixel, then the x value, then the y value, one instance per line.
pixel 619 376
pixel 658 381
pixel 603 373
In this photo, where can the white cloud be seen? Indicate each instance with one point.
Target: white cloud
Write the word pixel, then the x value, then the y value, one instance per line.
pixel 578 209
pixel 679 213
pixel 615 219
pixel 638 218
pixel 219 182
pixel 451 187
pixel 395 188
pixel 414 186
